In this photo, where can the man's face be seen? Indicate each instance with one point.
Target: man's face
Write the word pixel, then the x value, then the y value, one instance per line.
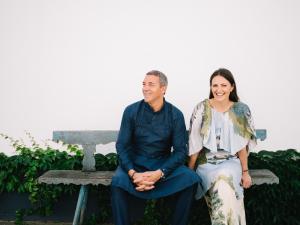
pixel 152 90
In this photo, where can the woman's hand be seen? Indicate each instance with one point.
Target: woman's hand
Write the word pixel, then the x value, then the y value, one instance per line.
pixel 246 181
pixel 192 161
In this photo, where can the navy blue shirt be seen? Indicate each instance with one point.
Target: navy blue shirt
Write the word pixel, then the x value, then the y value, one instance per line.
pixel 146 138
pixel 149 141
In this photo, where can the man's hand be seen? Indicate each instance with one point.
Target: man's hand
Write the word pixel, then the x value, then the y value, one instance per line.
pixel 154 175
pixel 145 181
pixel 141 181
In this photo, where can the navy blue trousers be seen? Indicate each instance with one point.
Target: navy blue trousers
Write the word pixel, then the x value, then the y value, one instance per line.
pixel 127 208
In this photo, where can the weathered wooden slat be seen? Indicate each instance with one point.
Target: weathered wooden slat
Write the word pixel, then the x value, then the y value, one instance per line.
pixel 76 177
pixel 95 137
pixel 259 176
pixel 86 137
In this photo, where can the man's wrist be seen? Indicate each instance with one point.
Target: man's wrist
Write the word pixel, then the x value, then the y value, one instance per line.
pixel 162 175
pixel 131 173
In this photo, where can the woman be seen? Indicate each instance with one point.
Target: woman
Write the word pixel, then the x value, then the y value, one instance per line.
pixel 220 138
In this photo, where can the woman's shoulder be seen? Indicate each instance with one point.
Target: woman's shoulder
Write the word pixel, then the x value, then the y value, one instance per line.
pixel 240 108
pixel 201 104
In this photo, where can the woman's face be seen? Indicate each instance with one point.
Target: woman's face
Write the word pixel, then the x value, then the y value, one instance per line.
pixel 220 88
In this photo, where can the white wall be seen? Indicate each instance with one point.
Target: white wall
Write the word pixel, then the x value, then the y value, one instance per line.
pixel 72 65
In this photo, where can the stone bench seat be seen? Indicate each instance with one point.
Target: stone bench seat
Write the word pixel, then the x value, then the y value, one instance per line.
pixel 89 176
pixel 77 177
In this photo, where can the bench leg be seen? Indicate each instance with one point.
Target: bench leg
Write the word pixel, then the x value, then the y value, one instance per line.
pixel 81 205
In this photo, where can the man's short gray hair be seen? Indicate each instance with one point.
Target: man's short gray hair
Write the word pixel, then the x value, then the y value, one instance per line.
pixel 163 80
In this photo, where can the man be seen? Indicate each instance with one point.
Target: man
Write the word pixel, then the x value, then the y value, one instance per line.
pixel 148 169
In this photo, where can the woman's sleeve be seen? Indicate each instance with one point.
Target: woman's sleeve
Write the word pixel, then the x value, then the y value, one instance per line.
pixel 195 137
pixel 250 128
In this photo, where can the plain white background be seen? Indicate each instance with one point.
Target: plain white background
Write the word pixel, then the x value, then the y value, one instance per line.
pixel 75 65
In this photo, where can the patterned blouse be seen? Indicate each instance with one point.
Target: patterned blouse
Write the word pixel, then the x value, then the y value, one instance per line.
pixel 221 134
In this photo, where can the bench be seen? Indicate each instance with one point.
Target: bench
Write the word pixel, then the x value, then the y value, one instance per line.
pixel 89 175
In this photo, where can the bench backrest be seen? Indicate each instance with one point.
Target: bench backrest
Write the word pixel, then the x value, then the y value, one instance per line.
pixel 90 138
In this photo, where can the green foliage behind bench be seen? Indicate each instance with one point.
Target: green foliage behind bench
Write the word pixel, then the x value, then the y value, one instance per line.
pixel 275 204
